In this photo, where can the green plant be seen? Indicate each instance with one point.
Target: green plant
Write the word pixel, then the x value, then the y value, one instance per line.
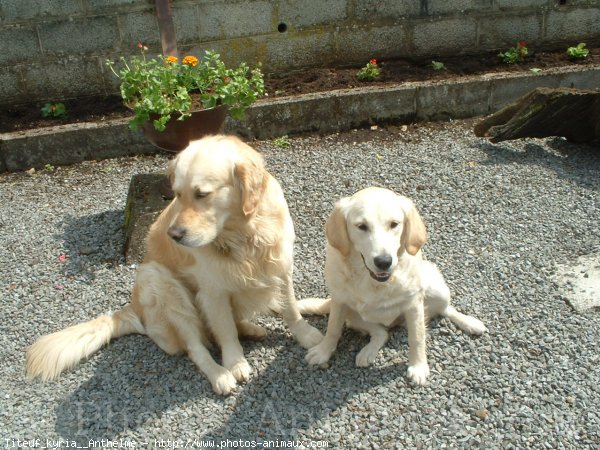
pixel 369 72
pixel 282 141
pixel 55 110
pixel 579 52
pixel 436 65
pixel 515 54
pixel 167 87
pixel 49 168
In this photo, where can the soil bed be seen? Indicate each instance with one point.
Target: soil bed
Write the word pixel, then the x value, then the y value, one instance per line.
pixel 16 118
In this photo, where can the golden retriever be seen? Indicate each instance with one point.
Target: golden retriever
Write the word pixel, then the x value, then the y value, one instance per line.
pixel 218 254
pixel 377 278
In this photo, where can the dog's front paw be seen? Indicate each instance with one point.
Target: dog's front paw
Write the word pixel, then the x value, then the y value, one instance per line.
pixel 366 356
pixel 224 382
pixel 307 335
pixel 319 354
pixel 241 370
pixel 418 373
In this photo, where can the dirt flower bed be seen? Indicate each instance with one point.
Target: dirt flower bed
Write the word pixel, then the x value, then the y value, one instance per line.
pixel 393 71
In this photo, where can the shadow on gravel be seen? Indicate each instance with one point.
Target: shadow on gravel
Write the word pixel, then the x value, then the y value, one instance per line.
pixel 137 385
pixel 578 163
pixel 290 396
pixel 91 240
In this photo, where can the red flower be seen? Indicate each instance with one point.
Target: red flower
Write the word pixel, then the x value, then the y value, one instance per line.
pixel 522 44
pixel 139 45
pixel 373 62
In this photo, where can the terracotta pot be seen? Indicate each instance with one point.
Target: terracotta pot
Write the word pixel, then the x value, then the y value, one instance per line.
pixel 178 133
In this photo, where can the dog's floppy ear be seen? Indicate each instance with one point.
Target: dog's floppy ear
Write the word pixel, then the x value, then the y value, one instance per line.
pixel 414 233
pixel 171 170
pixel 336 230
pixel 253 179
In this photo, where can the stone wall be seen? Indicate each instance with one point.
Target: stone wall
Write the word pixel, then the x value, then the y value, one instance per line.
pixel 56 49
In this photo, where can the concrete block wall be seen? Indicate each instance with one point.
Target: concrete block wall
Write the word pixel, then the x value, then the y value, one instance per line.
pixel 53 49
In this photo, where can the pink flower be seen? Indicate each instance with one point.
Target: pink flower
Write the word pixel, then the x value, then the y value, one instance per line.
pixel 62 258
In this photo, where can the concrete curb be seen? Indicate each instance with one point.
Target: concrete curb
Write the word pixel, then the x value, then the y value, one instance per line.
pixel 320 112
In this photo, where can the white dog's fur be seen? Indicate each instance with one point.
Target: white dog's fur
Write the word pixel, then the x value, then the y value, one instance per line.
pixel 219 253
pixel 377 278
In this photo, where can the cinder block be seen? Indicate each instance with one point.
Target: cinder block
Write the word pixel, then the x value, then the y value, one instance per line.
pixel 300 14
pixel 69 144
pixel 296 50
pixel 97 6
pixel 18 45
pixel 23 10
pixel 356 45
pixel 11 91
pixel 571 3
pixel 370 11
pixel 137 27
pixel 506 90
pixel 511 5
pixel 250 50
pixel 246 18
pixel 504 32
pixel 577 25
pixel 66 78
pixel 457 7
pixel 443 37
pixel 453 100
pixel 80 37
pixel 588 78
pixel 314 112
pixel 187 24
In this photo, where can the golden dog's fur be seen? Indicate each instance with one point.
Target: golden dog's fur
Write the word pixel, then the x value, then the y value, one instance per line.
pixel 377 278
pixel 219 253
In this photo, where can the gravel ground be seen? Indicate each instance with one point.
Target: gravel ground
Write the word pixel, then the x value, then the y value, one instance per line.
pixel 500 218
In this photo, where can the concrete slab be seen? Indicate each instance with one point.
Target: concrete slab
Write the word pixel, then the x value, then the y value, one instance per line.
pixel 70 144
pixel 579 282
pixel 144 204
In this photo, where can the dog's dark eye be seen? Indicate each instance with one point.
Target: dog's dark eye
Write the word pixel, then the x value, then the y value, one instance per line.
pixel 394 224
pixel 200 194
pixel 363 227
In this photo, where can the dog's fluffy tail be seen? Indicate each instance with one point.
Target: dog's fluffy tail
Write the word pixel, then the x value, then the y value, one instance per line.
pixel 54 353
pixel 319 306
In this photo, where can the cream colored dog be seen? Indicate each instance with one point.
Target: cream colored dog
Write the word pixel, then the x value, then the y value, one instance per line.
pixel 219 253
pixel 377 278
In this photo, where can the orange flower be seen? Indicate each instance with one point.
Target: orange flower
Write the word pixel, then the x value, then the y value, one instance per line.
pixel 172 59
pixel 190 61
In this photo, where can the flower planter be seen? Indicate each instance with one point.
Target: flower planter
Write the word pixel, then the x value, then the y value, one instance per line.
pixel 178 133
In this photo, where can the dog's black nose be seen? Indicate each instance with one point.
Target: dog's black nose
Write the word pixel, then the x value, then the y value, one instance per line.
pixel 383 262
pixel 176 233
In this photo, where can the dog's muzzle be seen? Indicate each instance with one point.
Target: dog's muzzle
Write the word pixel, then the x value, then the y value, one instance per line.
pixel 379 276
